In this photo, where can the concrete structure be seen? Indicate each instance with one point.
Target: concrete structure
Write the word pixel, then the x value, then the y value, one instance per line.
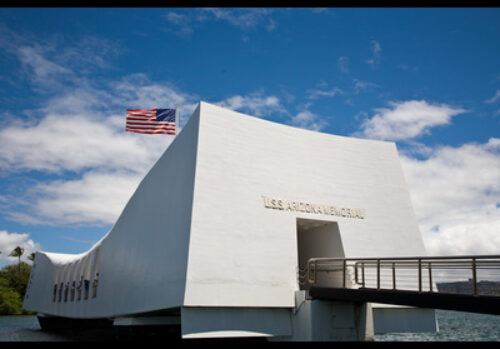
pixel 215 234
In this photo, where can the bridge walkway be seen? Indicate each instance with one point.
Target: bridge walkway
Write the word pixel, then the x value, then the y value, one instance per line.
pixel 449 282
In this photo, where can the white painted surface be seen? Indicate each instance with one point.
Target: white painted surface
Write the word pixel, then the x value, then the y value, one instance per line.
pixel 242 254
pixel 234 322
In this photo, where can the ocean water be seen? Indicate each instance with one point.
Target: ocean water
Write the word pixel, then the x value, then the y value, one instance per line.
pixel 27 329
pixel 453 327
pixel 23 328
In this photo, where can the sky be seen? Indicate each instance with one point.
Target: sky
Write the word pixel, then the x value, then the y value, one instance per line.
pixel 427 79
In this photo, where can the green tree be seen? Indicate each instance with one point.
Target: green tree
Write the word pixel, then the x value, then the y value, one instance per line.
pixel 17 252
pixel 13 283
pixel 10 300
pixel 31 257
pixel 17 277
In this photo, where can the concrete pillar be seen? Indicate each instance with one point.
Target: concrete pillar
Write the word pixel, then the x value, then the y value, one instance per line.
pixel 319 320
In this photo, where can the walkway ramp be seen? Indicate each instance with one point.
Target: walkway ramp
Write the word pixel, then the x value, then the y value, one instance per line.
pixel 407 281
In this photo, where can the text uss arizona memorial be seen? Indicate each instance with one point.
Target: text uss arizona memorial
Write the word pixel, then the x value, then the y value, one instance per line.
pixel 290 205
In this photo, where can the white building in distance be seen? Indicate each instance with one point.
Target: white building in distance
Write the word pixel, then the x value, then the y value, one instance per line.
pixel 214 235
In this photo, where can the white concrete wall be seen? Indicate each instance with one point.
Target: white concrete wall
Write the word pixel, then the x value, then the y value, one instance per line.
pixel 216 322
pixel 243 254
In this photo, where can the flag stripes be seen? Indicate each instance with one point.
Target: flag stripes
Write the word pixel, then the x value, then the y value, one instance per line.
pixel 151 121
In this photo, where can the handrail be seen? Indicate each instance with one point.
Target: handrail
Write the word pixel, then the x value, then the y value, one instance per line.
pixel 396 272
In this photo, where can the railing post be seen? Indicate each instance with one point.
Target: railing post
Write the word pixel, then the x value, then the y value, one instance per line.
pixel 430 277
pixel 474 277
pixel 311 274
pixel 363 273
pixel 356 276
pixel 405 263
pixel 344 273
pixel 378 274
pixel 393 275
pixel 419 275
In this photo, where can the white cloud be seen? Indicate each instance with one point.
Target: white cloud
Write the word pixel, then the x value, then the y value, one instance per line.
pixel 52 66
pixel 84 128
pixel 315 94
pixel 138 91
pixel 9 241
pixel 407 120
pixel 260 105
pixel 242 18
pixel 44 72
pixel 271 24
pixel 107 162
pixel 76 142
pixel 256 104
pixel 376 49
pixel 308 120
pixel 495 98
pixel 456 196
pixel 343 64
pixel 362 85
pixel 78 137
pixel 182 22
pixel 97 198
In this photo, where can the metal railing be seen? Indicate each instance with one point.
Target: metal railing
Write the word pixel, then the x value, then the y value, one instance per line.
pixel 476 275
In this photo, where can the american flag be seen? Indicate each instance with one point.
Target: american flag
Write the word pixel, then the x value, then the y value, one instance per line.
pixel 151 121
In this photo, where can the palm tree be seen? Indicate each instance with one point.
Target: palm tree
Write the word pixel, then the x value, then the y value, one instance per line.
pixel 17 252
pixel 31 257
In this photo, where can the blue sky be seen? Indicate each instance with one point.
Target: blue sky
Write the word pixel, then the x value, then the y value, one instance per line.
pixel 427 79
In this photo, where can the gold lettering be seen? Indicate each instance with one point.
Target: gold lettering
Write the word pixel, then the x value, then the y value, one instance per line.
pixel 333 211
pixel 280 204
pixel 289 205
pixel 266 201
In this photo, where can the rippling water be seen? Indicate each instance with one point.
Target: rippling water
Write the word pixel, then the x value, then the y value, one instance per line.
pixel 453 326
pixel 22 328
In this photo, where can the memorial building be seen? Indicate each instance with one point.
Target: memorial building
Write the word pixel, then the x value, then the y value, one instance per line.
pixel 214 236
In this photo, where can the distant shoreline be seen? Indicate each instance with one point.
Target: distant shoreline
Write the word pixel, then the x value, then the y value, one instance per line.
pixel 484 288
